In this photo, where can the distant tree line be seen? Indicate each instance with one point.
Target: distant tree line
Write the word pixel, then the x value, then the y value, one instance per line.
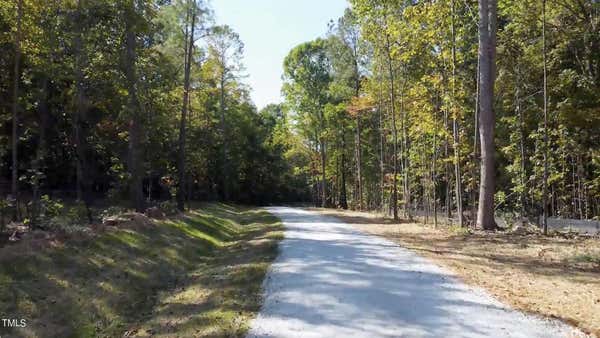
pixel 133 101
pixel 457 107
pixel 460 108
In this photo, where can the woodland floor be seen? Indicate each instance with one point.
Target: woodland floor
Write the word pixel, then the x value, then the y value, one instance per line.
pixel 552 276
pixel 193 275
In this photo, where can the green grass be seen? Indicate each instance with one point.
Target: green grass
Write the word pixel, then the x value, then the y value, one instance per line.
pixel 199 274
pixel 590 257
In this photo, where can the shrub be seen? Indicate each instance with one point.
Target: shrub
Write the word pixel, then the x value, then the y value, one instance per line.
pixel 112 211
pixel 5 208
pixel 168 207
pixel 78 213
pixel 458 230
pixel 50 208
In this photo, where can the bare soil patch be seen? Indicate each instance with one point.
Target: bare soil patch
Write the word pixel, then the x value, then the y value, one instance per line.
pixel 555 276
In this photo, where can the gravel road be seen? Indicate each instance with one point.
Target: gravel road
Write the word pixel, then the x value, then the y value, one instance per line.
pixel 330 280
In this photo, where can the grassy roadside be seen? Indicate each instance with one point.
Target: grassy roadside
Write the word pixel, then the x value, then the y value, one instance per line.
pixel 551 276
pixel 193 275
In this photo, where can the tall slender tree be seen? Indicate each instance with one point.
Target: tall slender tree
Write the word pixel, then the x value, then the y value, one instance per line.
pixel 394 127
pixel 190 30
pixel 15 109
pixel 133 105
pixel 455 130
pixel 227 48
pixel 487 117
pixel 80 102
pixel 545 174
pixel 307 72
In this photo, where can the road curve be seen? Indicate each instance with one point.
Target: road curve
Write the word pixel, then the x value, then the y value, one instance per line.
pixel 330 280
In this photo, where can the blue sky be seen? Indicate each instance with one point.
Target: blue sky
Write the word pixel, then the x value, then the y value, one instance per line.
pixel 269 29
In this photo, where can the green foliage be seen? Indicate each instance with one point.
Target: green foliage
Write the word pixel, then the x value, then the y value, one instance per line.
pixel 74 115
pixel 591 257
pixel 64 43
pixel 459 231
pixel 169 207
pixel 50 208
pixel 56 215
pixel 429 50
pixel 113 210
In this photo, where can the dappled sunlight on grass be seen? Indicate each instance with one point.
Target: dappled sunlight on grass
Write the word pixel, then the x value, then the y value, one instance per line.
pixel 199 273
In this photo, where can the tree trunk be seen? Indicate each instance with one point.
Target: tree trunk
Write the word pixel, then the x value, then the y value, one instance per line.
pixel 487 118
pixel 15 110
pixel 323 174
pixel 394 131
pixel 134 150
pixel 359 163
pixel 223 127
pixel 455 131
pixel 523 174
pixel 41 149
pixel 189 45
pixel 448 171
pixel 545 177
pixel 580 178
pixel 424 183
pixel 475 148
pixel 44 119
pixel 343 193
pixel 381 149
pixel 358 133
pixel 82 181
pixel 343 197
pixel 434 173
pixel 404 161
pixel 315 172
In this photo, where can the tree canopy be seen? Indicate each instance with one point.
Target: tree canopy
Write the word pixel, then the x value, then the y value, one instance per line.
pixel 137 101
